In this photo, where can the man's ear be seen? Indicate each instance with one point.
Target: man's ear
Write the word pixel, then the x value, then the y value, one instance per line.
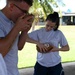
pixel 11 6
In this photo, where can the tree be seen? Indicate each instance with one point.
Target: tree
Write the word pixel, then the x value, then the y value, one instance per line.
pixel 35 11
pixel 46 8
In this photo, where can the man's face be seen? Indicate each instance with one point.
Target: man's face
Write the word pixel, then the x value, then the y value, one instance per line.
pixel 19 10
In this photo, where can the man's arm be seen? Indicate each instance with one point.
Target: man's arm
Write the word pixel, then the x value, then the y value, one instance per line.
pixel 6 42
pixel 22 40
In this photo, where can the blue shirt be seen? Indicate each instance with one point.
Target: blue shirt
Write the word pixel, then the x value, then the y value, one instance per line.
pixel 11 59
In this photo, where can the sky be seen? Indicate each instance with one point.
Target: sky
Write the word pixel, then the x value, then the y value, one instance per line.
pixel 70 5
pixel 2 3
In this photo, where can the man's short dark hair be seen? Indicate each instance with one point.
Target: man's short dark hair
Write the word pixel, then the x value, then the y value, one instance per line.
pixel 29 2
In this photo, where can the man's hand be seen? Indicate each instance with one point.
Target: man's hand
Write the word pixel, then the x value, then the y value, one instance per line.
pixel 24 23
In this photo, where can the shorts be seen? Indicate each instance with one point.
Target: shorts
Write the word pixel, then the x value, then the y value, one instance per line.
pixel 41 70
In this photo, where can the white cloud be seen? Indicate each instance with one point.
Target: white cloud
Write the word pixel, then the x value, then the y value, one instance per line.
pixel 70 4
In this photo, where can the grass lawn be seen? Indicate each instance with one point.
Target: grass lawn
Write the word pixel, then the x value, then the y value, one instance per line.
pixel 27 57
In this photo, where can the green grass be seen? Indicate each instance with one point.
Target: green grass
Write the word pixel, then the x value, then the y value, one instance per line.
pixel 27 57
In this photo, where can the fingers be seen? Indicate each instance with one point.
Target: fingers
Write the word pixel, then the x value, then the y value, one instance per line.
pixel 44 48
pixel 24 23
pixel 22 17
pixel 29 17
pixel 44 51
